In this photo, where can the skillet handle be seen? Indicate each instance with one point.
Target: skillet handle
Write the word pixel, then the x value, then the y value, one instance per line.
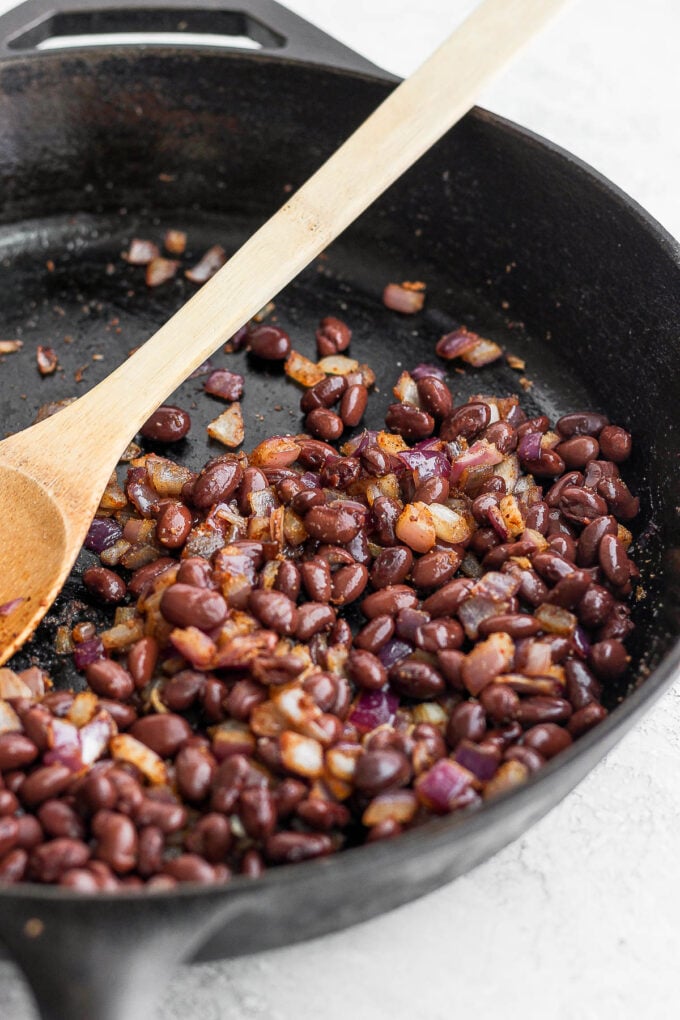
pixel 85 959
pixel 275 29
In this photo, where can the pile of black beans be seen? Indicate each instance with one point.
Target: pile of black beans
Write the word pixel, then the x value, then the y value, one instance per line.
pixel 316 647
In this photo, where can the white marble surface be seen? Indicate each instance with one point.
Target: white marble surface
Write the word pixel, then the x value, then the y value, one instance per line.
pixel 581 917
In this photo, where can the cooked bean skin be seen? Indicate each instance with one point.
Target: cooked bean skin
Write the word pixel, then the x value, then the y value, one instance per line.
pixel 269 342
pixel 168 424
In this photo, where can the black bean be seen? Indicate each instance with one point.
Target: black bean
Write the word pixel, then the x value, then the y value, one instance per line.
pixel 167 424
pixel 271 343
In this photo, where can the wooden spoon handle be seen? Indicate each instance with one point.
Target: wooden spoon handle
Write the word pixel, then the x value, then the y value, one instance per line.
pixel 402 128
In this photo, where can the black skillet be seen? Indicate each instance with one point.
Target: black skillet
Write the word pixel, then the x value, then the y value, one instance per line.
pixel 514 238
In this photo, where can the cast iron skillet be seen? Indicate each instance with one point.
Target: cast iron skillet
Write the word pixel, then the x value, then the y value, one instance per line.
pixel 513 237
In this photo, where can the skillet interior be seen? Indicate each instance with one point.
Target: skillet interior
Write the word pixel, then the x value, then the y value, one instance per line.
pixel 489 217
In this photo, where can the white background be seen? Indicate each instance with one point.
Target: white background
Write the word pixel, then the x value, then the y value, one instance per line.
pixel 581 917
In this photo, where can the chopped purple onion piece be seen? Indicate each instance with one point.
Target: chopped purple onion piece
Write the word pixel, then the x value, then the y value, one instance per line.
pixel 424 370
pixel 529 447
pixel 102 534
pixel 9 607
pixel 393 651
pixel 87 652
pixel 373 709
pixel 481 761
pixel 580 642
pixel 443 786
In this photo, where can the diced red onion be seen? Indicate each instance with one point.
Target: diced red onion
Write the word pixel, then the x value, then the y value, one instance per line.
pixel 580 642
pixel 472 611
pixel 394 651
pixel 311 480
pixel 429 444
pixel 556 620
pixel 212 260
pixel 9 607
pixel 497 522
pixel 425 463
pixel 529 447
pixel 452 345
pixel 94 737
pixel 423 371
pixel 224 384
pixel 87 652
pixel 536 658
pixel 481 761
pixel 406 300
pixel 496 586
pixel 440 787
pixel 373 709
pixel 483 353
pixel 353 447
pixel 65 745
pixel 102 534
pixel 480 454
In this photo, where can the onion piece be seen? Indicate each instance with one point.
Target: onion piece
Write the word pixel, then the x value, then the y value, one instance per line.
pixel 483 353
pixel 65 745
pixel 46 358
pixel 449 525
pixel 406 390
pixel 481 454
pixel 496 586
pixel 9 607
pixel 473 610
pixel 373 709
pixel 83 708
pixel 442 787
pixel 194 645
pixel 224 384
pixel 123 747
pixel 141 252
pixel 580 642
pixel 12 686
pixel 212 260
pixel 555 619
pixel 175 241
pixel 338 364
pixel 425 464
pixel 510 774
pixel 481 761
pixel 415 527
pixel 9 720
pixel 228 427
pixel 160 270
pixel 394 651
pixel 407 297
pixel 166 477
pixel 454 344
pixel 87 652
pixel 95 736
pixel 10 346
pixel 395 805
pixel 302 370
pixel 529 446
pixel 509 471
pixel 424 371
pixel 301 755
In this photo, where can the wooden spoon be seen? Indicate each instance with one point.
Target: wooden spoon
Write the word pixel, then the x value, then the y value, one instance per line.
pixel 52 475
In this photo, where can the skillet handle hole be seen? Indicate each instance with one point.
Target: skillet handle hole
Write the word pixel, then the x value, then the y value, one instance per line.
pixel 148 26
